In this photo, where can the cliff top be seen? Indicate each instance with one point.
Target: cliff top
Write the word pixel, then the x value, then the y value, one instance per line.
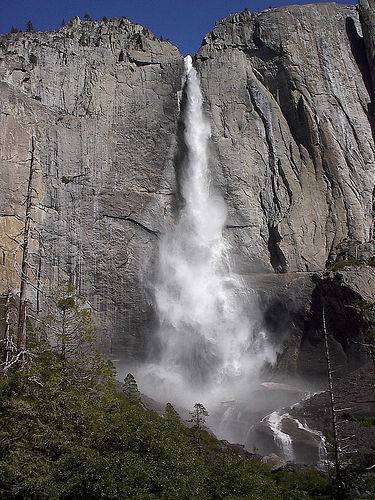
pixel 99 33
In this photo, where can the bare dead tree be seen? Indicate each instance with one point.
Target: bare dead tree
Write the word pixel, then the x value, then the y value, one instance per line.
pixel 21 330
pixel 8 340
pixel 336 445
pixel 39 275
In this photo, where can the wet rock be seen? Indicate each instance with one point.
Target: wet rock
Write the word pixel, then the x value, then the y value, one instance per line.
pixel 290 438
pixel 291 313
pixel 274 461
pixel 354 395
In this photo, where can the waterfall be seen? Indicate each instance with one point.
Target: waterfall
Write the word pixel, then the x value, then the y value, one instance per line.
pixel 205 332
pixel 208 350
pixel 284 441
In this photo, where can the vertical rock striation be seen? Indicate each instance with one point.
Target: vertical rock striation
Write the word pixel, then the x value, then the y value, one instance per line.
pixel 101 101
pixel 287 92
pixel 288 97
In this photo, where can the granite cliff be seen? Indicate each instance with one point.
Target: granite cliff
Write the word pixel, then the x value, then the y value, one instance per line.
pixel 288 92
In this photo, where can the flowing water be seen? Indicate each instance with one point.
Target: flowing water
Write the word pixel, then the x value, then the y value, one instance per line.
pixel 284 441
pixel 208 350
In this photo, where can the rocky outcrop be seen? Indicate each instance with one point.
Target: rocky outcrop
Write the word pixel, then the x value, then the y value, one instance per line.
pixel 291 306
pixel 101 101
pixel 355 409
pixel 287 93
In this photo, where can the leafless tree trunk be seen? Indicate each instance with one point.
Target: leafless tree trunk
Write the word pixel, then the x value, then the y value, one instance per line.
pixel 21 331
pixel 336 449
pixel 63 336
pixel 9 346
pixel 38 277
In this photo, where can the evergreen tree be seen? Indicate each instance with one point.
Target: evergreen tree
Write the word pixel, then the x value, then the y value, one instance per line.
pixel 87 17
pixel 29 26
pixel 130 388
pixel 13 29
pixel 63 23
pixel 198 415
pixel 69 325
pixel 171 414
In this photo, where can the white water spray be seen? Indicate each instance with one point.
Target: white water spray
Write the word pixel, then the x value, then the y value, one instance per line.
pixel 208 350
pixel 275 420
pixel 284 440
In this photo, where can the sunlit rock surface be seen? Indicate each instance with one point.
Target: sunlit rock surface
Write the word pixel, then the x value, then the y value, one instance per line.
pixel 287 92
pixel 101 100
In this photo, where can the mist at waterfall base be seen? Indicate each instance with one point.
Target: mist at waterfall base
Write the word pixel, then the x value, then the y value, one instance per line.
pixel 211 349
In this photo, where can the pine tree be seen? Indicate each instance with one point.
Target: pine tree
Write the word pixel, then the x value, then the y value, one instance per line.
pixel 171 414
pixel 198 415
pixel 13 29
pixel 130 388
pixel 29 26
pixel 72 326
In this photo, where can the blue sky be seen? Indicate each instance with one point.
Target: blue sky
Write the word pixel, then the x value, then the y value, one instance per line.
pixel 183 22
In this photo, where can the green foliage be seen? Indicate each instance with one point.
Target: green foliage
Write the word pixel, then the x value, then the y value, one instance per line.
pixel 84 40
pixel 340 264
pixel 171 414
pixel 310 481
pixel 365 421
pixel 198 415
pixel 29 26
pixel 67 432
pixel 130 388
pixel 364 483
pixel 69 325
pixel 64 178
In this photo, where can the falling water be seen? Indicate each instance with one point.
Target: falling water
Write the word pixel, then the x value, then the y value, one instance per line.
pixel 284 440
pixel 275 420
pixel 208 349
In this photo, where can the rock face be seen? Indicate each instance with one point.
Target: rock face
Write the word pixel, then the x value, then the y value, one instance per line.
pixel 101 101
pixel 356 430
pixel 291 311
pixel 287 93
